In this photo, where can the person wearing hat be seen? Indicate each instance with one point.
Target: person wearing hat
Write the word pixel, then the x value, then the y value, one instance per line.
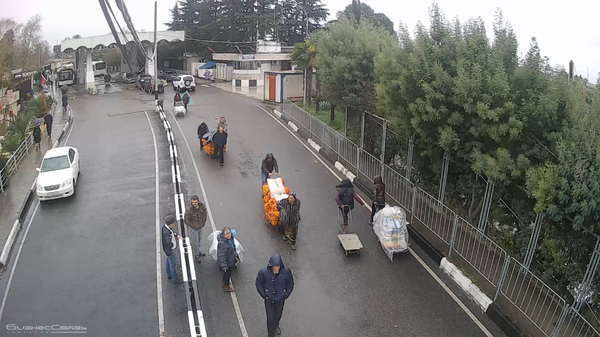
pixel 269 166
pixel 274 284
pixel 227 257
pixel 169 244
pixel 289 217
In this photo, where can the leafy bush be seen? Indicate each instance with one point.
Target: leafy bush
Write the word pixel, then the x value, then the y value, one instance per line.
pixel 10 144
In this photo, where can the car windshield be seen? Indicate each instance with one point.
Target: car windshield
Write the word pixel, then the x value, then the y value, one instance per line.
pixel 55 163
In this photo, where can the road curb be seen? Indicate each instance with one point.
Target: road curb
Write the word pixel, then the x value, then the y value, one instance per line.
pixel 22 213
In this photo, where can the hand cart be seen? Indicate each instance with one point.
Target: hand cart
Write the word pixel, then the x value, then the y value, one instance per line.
pixel 348 241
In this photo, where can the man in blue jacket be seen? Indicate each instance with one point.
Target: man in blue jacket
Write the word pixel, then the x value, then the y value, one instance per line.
pixel 274 284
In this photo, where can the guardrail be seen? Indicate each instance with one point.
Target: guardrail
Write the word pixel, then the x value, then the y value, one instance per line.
pixel 195 313
pixel 504 279
pixel 9 170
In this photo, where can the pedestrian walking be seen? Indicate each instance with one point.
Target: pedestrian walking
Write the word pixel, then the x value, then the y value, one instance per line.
pixel 65 101
pixel 195 219
pixel 269 166
pixel 227 258
pixel 48 119
pixel 379 202
pixel 289 218
pixel 202 130
pixel 186 100
pixel 37 136
pixel 219 140
pixel 169 244
pixel 345 199
pixel 222 123
pixel 176 98
pixel 275 284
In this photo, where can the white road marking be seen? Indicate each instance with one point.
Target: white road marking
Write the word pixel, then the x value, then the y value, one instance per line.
pixel 161 315
pixel 412 252
pixel 236 305
pixel 12 272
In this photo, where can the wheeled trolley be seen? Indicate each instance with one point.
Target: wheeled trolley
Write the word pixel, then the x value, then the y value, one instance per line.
pixel 349 241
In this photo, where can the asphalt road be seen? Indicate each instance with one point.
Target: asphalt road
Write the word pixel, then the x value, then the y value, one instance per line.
pixel 334 295
pixel 91 260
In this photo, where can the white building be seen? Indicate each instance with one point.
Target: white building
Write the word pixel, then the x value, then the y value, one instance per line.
pixel 247 70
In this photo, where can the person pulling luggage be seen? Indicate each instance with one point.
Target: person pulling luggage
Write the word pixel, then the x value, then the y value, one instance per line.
pixel 345 199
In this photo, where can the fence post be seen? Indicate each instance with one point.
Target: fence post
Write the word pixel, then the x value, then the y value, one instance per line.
pixel 323 135
pixel 362 130
pixel 444 176
pixel 346 123
pixel 584 288
pixel 487 203
pixel 412 207
pixel 502 276
pixel 453 237
pixel 339 144
pixel 410 156
pixel 357 161
pixel 383 146
pixel 1 183
pixel 561 320
pixel 535 234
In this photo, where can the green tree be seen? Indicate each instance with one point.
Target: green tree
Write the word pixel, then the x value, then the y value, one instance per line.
pixel 304 56
pixel 345 62
pixel 367 13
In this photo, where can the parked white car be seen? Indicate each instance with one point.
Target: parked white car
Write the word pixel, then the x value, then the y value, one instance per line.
pixel 58 173
pixel 183 82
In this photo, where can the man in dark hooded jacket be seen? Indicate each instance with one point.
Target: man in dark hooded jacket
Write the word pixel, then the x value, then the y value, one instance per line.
pixel 202 130
pixel 269 165
pixel 219 141
pixel 379 202
pixel 345 199
pixel 275 284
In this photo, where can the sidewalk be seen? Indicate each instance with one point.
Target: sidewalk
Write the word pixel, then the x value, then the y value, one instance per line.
pixel 20 184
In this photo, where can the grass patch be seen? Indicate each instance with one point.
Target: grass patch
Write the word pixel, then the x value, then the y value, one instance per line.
pixel 324 113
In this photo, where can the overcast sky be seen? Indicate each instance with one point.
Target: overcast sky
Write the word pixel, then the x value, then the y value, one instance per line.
pixel 565 30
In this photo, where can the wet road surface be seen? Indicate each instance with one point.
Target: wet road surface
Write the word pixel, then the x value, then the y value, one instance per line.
pixel 91 260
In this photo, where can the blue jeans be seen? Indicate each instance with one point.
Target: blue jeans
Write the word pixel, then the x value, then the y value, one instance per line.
pixel 196 238
pixel 172 267
pixel 264 177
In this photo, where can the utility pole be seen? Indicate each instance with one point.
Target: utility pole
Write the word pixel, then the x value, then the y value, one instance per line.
pixel 155 57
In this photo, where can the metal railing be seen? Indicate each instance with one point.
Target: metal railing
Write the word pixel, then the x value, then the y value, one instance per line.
pixel 434 215
pixel 9 170
pixel 525 292
pixel 479 251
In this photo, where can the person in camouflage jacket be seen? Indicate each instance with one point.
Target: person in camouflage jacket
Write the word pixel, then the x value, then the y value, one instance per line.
pixel 195 219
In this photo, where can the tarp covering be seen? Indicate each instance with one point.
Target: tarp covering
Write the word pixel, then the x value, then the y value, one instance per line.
pixel 209 65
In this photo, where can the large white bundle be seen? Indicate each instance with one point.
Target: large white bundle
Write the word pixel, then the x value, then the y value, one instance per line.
pixel 214 242
pixel 280 186
pixel 390 227
pixel 273 189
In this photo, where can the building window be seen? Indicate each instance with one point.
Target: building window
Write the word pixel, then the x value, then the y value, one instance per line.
pixel 246 65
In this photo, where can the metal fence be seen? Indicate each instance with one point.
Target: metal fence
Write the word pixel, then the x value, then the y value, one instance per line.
pixel 479 251
pixel 9 170
pixel 509 279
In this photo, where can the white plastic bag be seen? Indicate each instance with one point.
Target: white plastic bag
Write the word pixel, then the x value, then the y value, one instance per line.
pixel 214 242
pixel 390 226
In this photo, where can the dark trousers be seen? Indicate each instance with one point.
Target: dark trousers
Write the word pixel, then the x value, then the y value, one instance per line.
pixel 227 276
pixel 274 313
pixel 185 106
pixel 376 207
pixel 219 152
pixel 345 210
pixel 49 129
